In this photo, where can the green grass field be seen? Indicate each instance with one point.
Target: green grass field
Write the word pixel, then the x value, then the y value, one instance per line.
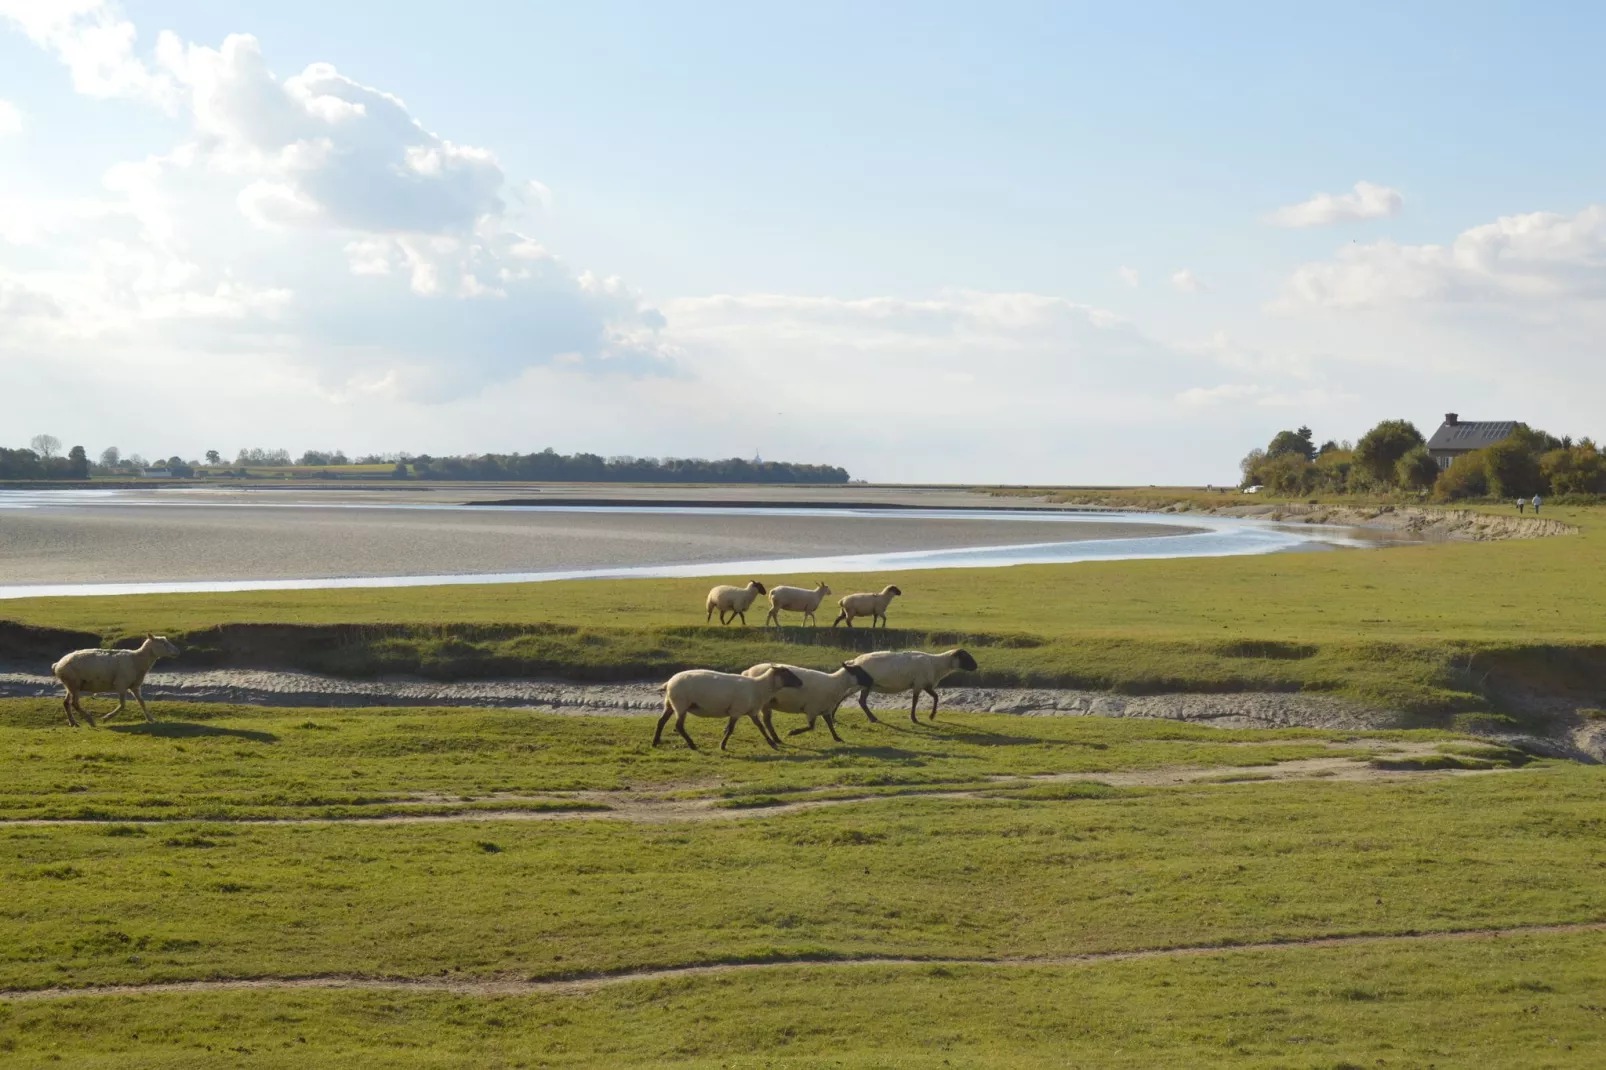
pixel 504 888
pixel 1435 630
pixel 182 867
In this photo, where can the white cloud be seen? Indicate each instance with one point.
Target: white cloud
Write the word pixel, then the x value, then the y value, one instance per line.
pixel 1129 276
pixel 312 217
pixel 1367 201
pixel 1186 281
pixel 94 41
pixel 1539 259
pixel 10 119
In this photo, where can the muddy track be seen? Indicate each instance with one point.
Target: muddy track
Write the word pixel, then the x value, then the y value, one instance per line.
pixel 592 982
pixel 667 804
pixel 281 688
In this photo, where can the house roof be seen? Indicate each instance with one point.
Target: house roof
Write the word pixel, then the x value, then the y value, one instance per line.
pixel 1470 434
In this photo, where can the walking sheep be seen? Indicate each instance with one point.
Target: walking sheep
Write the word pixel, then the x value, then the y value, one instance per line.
pixel 796 600
pixel 99 672
pixel 909 670
pixel 873 606
pixel 733 601
pixel 817 696
pixel 705 693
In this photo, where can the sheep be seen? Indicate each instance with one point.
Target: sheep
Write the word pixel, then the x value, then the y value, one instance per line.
pixel 796 600
pixel 733 601
pixel 721 694
pixel 98 672
pixel 910 670
pixel 873 606
pixel 818 697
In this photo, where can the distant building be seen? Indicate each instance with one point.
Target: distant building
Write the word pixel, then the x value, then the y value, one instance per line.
pixel 1457 436
pixel 156 473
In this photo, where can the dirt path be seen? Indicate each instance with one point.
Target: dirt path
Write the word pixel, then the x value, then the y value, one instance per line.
pixel 593 982
pixel 666 804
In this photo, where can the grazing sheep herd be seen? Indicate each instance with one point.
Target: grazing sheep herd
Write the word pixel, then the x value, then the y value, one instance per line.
pixel 756 694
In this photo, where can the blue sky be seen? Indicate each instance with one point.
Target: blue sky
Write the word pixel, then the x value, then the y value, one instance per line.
pixel 978 243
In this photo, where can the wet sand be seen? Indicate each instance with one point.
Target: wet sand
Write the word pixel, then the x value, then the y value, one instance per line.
pixel 294 534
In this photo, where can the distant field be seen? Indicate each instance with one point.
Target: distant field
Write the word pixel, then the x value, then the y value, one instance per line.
pixel 1417 627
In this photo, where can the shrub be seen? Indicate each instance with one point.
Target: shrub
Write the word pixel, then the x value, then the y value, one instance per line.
pixel 1416 470
pixel 1512 468
pixel 1467 477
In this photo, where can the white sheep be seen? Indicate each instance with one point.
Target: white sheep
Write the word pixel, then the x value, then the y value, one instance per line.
pixel 873 606
pixel 705 693
pixel 796 600
pixel 910 670
pixel 100 672
pixel 733 601
pixel 817 695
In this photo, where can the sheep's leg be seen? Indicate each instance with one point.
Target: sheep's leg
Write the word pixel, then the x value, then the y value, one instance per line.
pixel 769 726
pixel 840 617
pixel 806 728
pixel 866 707
pixel 669 711
pixel 710 618
pixel 933 693
pixel 774 744
pixel 66 704
pixel 743 614
pixel 680 726
pixel 772 615
pixel 830 722
pixel 730 726
pixel 146 710
pixel 914 708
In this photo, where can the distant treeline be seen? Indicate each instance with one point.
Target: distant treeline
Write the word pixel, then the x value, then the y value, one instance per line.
pixel 44 462
pixel 30 464
pixel 551 466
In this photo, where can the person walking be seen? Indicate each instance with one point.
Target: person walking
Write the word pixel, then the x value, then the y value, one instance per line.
pixel 1536 505
pixel 1520 504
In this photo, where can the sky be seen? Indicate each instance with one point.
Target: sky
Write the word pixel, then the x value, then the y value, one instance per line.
pixel 1004 242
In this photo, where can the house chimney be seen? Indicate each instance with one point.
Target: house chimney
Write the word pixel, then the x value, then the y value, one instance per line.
pixel 1451 418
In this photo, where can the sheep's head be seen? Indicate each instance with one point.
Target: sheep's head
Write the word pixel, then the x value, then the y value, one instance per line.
pixel 754 585
pixel 857 672
pixel 822 588
pixel 165 647
pixel 891 590
pixel 963 660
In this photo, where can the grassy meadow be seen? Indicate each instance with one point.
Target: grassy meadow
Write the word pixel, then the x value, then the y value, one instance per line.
pixel 488 882
pixel 219 846
pixel 1435 630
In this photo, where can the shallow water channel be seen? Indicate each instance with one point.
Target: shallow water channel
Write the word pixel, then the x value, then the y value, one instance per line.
pixel 62 543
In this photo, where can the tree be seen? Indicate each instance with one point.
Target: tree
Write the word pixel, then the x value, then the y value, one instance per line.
pixel 1417 470
pixel 1513 469
pixel 1380 449
pixel 1250 466
pixel 77 463
pixel 46 446
pixel 1465 478
pixel 214 457
pixel 1292 442
pixel 110 457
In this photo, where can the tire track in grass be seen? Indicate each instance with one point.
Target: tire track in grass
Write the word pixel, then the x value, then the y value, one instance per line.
pixel 577 985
